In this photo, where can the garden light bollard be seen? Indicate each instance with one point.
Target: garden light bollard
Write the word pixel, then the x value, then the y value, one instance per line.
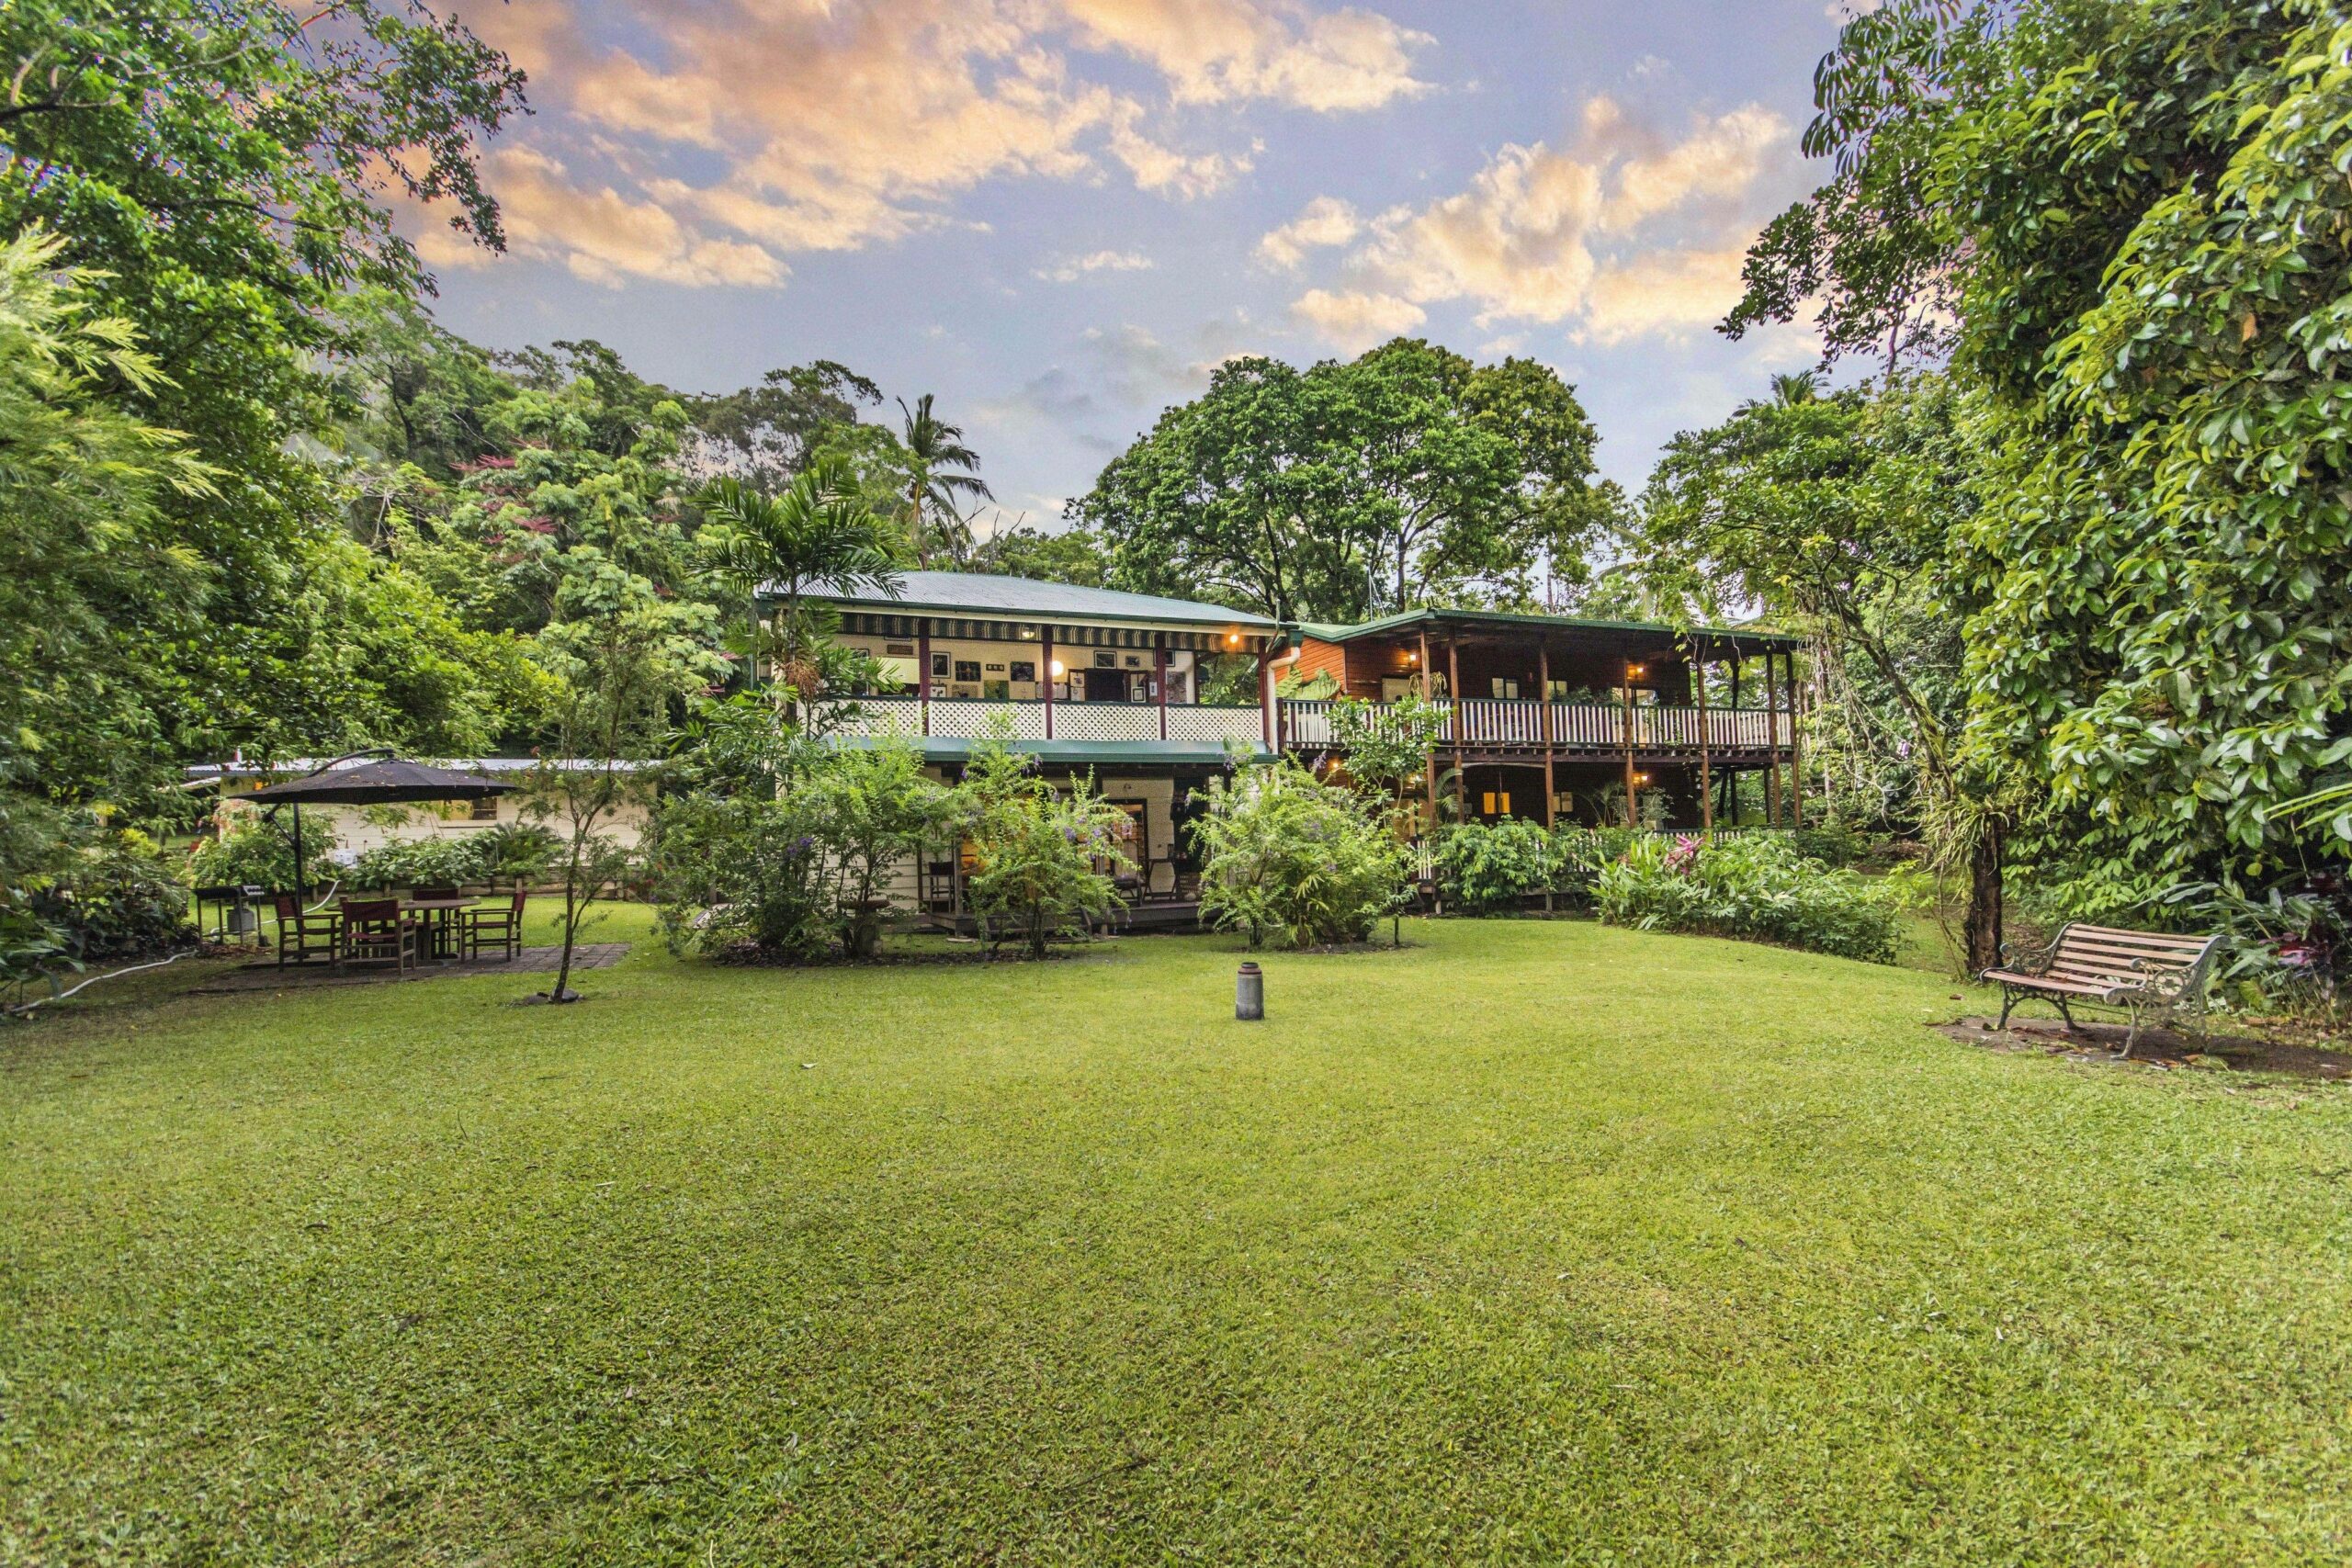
pixel 1249 993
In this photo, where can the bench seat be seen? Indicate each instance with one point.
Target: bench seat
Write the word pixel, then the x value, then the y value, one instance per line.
pixel 2149 972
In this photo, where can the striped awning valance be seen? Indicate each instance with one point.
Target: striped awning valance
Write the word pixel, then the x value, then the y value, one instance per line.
pixel 864 624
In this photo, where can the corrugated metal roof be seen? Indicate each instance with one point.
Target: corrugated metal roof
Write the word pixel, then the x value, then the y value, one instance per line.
pixel 976 594
pixel 1328 632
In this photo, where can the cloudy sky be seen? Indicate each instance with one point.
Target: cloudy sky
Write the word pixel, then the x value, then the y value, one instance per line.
pixel 1057 215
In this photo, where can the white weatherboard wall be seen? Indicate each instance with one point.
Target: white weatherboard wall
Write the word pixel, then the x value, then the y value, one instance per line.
pixel 358 828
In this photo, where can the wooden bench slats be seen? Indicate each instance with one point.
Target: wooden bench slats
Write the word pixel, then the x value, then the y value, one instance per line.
pixel 2044 983
pixel 2107 936
pixel 2145 971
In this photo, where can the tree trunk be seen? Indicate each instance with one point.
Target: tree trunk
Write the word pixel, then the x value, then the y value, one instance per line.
pixel 570 925
pixel 1981 925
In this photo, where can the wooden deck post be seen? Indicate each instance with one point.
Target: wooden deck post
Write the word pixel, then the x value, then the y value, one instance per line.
pixel 1771 742
pixel 1266 694
pixel 1453 698
pixel 1706 777
pixel 1159 676
pixel 1046 673
pixel 1428 694
pixel 1544 725
pixel 1625 735
pixel 922 670
pixel 1795 749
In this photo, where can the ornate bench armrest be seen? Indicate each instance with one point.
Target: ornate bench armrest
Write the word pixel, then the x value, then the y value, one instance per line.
pixel 2033 960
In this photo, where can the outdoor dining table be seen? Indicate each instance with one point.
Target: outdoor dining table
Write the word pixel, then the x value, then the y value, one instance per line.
pixel 440 922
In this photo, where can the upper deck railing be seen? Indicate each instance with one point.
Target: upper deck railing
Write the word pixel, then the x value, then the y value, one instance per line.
pixel 961 718
pixel 1480 721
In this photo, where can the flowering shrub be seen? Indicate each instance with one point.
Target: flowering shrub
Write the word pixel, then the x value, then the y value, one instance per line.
pixel 1757 888
pixel 1295 862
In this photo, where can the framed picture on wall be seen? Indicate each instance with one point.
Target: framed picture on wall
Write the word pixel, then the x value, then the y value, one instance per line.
pixel 967 670
pixel 1024 670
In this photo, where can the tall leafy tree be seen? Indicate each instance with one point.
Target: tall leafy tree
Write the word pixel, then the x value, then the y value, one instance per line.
pixel 1841 515
pixel 2138 216
pixel 82 542
pixel 764 434
pixel 220 167
pixel 1408 476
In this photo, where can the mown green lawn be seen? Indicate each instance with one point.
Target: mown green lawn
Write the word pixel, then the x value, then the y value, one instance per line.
pixel 1536 1242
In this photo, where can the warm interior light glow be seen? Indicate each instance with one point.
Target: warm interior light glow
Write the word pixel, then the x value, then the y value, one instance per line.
pixel 1412 659
pixel 1641 778
pixel 1233 639
pixel 1059 671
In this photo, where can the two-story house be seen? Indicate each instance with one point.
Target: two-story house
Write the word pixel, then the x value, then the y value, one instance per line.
pixel 1149 695
pixel 1550 717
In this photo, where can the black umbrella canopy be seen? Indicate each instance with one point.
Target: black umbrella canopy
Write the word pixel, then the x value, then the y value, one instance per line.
pixel 377 783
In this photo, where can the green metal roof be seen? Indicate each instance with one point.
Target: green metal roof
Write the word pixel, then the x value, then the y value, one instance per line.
pixel 975 595
pixel 1326 632
pixel 1083 753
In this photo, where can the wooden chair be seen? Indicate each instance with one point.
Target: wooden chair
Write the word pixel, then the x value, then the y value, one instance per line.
pixel 376 931
pixel 498 927
pixel 301 937
pixel 2148 973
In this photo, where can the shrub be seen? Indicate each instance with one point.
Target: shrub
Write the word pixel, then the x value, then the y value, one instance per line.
pixel 1297 861
pixel 1832 843
pixel 2291 945
pixel 1036 853
pixel 868 808
pixel 245 851
pixel 1488 866
pixel 436 862
pixel 730 869
pixel 116 897
pixel 1578 856
pixel 516 852
pixel 1757 888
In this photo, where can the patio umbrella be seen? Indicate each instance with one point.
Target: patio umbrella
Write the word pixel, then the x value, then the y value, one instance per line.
pixel 386 782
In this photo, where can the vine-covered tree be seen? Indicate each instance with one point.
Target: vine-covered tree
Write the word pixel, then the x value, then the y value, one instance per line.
pixel 2134 218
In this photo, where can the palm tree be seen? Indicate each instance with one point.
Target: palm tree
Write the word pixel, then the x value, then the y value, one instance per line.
pixel 819 531
pixel 940 468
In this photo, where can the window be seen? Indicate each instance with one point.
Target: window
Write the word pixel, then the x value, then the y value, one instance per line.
pixel 484 810
pixel 1496 802
pixel 1506 688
